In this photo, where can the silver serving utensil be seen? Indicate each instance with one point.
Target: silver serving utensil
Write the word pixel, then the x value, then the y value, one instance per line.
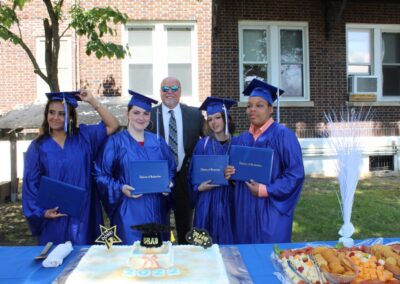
pixel 316 265
pixel 302 277
pixel 43 253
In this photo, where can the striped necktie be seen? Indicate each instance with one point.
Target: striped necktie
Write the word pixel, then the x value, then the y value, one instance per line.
pixel 173 136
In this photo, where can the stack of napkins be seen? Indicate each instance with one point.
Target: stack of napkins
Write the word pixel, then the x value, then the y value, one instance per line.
pixel 57 256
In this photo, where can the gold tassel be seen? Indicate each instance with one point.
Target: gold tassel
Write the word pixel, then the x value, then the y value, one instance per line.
pixel 172 237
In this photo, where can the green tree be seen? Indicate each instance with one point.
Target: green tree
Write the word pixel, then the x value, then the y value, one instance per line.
pixel 92 23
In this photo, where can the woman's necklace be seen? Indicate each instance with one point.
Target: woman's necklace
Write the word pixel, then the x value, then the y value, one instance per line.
pixel 229 141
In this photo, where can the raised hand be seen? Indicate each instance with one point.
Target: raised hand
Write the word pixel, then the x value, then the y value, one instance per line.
pixel 87 96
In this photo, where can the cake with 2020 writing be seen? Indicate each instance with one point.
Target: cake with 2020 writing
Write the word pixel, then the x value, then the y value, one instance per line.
pixel 136 264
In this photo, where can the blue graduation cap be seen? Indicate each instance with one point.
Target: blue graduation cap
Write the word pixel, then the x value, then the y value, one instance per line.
pixel 141 101
pixel 213 105
pixel 258 88
pixel 69 97
pixel 145 103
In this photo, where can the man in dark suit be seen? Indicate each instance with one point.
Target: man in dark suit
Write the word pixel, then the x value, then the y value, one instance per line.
pixel 189 123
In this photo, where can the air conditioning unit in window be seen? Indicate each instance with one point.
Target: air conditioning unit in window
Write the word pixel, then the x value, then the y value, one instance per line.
pixel 363 85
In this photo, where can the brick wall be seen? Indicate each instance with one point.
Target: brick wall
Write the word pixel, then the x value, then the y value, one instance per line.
pixel 327 57
pixel 18 82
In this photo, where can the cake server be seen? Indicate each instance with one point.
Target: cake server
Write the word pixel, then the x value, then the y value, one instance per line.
pixel 317 267
pixel 43 253
pixel 301 276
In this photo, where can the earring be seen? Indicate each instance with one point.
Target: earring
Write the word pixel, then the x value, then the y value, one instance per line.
pixel 49 130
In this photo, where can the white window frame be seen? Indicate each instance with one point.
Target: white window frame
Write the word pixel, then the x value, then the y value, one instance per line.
pixel 273 54
pixel 372 65
pixel 41 96
pixel 376 68
pixel 160 56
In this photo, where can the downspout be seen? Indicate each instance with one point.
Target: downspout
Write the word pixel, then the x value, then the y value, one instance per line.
pixel 77 50
pixel 13 157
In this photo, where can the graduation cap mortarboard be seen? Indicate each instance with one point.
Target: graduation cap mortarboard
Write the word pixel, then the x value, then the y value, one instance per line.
pixel 141 101
pixel 258 88
pixel 213 105
pixel 70 97
pixel 151 233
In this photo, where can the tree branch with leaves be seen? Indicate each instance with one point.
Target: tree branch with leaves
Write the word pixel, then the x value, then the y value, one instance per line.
pixel 93 24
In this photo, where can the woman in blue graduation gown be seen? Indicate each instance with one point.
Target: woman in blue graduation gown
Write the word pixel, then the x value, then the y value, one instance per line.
pixel 212 202
pixel 66 153
pixel 264 213
pixel 124 207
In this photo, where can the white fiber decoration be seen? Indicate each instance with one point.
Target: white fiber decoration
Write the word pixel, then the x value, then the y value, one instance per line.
pixel 344 133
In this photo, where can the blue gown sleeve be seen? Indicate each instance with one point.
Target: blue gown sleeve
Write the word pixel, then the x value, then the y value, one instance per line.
pixel 30 186
pixel 108 187
pixel 285 189
pixel 94 134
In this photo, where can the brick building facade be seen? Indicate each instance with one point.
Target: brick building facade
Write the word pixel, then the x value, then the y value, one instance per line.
pixel 190 18
pixel 319 35
pixel 326 29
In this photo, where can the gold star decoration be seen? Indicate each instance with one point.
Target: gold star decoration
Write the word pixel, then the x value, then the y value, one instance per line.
pixel 108 236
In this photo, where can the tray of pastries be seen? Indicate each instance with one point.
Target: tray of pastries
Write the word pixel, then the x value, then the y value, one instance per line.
pixel 322 264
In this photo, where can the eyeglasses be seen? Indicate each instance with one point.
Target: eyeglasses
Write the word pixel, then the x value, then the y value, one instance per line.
pixel 173 89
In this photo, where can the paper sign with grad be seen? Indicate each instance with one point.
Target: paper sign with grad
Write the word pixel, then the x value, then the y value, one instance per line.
pixel 199 237
pixel 108 236
pixel 152 233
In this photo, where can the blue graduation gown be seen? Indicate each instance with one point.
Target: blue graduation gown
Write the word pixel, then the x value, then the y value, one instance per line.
pixel 112 172
pixel 269 220
pixel 212 207
pixel 72 164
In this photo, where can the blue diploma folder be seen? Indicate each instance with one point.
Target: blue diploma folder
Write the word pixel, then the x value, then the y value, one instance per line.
pixel 209 167
pixel 149 176
pixel 54 193
pixel 251 163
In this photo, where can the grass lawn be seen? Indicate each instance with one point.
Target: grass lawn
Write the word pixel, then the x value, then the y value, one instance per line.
pixel 376 210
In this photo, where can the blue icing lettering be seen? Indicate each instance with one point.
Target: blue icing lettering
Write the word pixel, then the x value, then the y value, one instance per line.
pixel 173 271
pixel 158 272
pixel 129 272
pixel 143 273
